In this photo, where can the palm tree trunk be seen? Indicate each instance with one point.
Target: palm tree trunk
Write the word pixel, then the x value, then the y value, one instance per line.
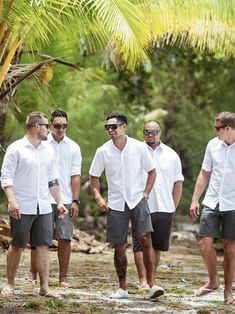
pixel 3 116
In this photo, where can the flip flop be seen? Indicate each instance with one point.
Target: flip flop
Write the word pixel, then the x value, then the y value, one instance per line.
pixel 229 301
pixel 52 295
pixel 66 285
pixel 7 291
pixel 203 291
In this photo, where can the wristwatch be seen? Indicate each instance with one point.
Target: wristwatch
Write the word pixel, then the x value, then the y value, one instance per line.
pixel 76 201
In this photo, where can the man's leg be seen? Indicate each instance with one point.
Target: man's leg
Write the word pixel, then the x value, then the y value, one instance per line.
pixel 33 269
pixel 42 265
pixel 120 262
pixel 148 257
pixel 64 251
pixel 13 259
pixel 229 269
pixel 210 259
pixel 157 258
pixel 139 262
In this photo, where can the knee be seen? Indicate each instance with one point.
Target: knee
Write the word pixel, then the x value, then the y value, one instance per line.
pixel 145 241
pixel 202 244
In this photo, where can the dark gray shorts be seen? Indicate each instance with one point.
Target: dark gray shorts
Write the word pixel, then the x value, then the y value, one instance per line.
pixel 63 228
pixel 118 222
pixel 39 227
pixel 214 223
pixel 161 232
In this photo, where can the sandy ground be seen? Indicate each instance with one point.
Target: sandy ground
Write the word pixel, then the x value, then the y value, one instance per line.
pixel 180 273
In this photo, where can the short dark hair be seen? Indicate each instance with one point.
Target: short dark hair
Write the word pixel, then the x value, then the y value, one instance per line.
pixel 58 113
pixel 119 116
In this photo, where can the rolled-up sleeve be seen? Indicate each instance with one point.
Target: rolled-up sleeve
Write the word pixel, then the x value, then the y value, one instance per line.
pixel 9 166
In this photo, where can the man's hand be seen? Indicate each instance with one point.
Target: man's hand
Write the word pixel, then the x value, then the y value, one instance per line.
pixel 62 209
pixel 13 210
pixel 102 204
pixel 74 210
pixel 194 209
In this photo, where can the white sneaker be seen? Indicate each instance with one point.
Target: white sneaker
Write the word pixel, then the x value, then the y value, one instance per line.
pixel 155 292
pixel 120 294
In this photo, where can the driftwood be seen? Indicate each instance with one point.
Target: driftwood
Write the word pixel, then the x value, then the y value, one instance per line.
pixel 81 241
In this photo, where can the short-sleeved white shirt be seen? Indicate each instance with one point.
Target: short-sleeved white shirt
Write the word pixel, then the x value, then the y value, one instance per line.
pixel 68 161
pixel 219 159
pixel 28 170
pixel 125 171
pixel 169 171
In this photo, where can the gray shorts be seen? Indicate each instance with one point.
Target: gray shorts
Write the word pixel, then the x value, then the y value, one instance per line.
pixel 118 222
pixel 214 223
pixel 63 228
pixel 161 232
pixel 39 227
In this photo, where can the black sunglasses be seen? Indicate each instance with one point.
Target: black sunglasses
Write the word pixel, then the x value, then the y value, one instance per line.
pixel 151 132
pixel 217 128
pixel 112 126
pixel 46 125
pixel 60 126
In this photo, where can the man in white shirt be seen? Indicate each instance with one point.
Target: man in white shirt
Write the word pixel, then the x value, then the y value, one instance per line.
pixel 218 173
pixel 68 165
pixel 164 197
pixel 125 161
pixel 28 175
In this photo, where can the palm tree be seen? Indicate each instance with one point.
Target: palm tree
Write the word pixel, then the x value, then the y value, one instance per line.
pixel 127 29
pixel 26 25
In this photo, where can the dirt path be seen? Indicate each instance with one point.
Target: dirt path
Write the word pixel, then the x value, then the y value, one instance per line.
pixel 180 273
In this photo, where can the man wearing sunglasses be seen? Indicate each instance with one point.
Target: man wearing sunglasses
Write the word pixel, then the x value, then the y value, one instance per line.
pixel 164 197
pixel 125 162
pixel 28 174
pixel 68 164
pixel 218 213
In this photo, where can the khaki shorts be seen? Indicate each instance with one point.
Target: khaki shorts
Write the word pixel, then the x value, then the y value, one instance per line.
pixel 63 228
pixel 118 222
pixel 214 223
pixel 39 227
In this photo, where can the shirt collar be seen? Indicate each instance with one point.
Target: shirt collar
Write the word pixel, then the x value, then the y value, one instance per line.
pixel 158 147
pixel 51 139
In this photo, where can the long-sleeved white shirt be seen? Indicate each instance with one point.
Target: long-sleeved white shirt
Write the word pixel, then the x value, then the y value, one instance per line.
pixel 29 170
pixel 68 163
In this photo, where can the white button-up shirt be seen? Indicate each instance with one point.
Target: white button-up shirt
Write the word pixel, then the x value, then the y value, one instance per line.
pixel 219 159
pixel 28 170
pixel 125 171
pixel 68 163
pixel 169 171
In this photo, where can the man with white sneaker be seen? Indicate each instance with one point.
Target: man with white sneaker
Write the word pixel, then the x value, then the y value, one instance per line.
pixel 125 162
pixel 163 199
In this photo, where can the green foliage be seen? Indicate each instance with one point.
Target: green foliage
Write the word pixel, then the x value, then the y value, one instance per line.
pixel 181 88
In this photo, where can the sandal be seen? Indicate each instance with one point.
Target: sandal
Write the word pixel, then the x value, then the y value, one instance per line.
pixel 7 291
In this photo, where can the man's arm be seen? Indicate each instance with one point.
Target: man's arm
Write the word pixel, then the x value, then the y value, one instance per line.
pixel 177 192
pixel 150 182
pixel 75 186
pixel 200 186
pixel 55 192
pixel 13 207
pixel 95 189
